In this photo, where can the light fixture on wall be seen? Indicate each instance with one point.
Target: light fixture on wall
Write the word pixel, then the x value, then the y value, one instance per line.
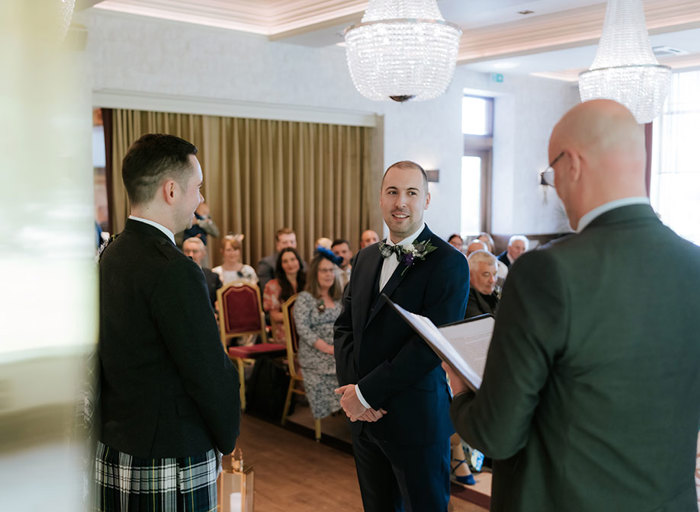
pixel 402 50
pixel 625 68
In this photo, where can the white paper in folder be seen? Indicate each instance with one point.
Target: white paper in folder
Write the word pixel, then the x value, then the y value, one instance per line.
pixel 462 345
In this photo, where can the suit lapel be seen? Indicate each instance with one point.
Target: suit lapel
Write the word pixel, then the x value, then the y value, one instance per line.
pixel 368 292
pixel 394 280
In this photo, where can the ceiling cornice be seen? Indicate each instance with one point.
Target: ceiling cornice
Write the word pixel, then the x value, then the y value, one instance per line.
pixel 567 29
pixel 273 18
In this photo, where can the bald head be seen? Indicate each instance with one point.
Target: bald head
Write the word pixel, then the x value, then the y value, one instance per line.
pixel 602 156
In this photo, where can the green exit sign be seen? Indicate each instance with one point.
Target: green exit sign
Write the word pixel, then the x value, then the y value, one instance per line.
pixel 497 77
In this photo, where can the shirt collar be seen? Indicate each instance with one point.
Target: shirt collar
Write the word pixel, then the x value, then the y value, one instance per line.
pixel 162 228
pixel 409 239
pixel 600 210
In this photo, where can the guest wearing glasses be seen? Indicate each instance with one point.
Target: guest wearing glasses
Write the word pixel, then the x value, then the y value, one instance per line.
pixel 315 312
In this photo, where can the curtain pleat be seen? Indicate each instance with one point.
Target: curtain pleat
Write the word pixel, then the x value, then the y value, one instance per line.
pixel 261 175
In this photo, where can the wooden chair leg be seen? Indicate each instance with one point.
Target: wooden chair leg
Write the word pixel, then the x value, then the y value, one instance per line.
pixel 241 380
pixel 317 428
pixel 288 401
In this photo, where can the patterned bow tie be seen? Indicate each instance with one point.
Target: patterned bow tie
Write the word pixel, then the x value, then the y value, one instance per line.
pixel 387 250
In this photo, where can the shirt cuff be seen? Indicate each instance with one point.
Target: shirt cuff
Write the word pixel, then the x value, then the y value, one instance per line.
pixel 361 398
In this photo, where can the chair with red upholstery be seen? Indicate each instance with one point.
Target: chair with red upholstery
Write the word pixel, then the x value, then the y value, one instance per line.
pixel 296 380
pixel 240 314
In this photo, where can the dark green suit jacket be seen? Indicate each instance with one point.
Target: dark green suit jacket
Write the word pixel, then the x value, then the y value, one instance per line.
pixel 591 393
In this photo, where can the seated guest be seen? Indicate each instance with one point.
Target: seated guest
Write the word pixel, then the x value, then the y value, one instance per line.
pixel 315 312
pixel 195 250
pixel 202 226
pixel 488 240
pixel 289 279
pixel 483 269
pixel 482 243
pixel 517 245
pixel 285 237
pixel 368 238
pixel 232 268
pixel 476 245
pixel 324 242
pixel 341 248
pixel 456 242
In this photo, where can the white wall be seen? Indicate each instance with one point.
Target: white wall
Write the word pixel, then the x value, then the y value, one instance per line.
pixel 146 55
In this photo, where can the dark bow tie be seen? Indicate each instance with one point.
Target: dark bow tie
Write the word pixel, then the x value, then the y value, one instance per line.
pixel 387 250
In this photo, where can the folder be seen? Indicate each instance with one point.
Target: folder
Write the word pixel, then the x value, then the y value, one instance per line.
pixel 462 345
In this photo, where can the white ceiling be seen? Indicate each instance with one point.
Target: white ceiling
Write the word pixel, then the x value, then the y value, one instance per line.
pixel 558 39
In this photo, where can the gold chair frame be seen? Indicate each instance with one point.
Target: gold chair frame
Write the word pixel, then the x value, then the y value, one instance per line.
pixel 225 337
pixel 296 379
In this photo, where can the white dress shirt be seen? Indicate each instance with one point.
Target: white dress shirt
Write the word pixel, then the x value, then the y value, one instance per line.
pixel 155 225
pixel 388 267
pixel 597 212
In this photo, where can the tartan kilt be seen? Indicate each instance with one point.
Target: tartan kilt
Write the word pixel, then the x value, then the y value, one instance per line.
pixel 127 483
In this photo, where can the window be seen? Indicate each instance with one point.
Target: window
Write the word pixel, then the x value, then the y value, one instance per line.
pixel 477 115
pixel 675 169
pixel 477 130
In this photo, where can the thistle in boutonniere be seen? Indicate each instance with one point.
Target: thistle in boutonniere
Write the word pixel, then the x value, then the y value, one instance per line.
pixel 413 252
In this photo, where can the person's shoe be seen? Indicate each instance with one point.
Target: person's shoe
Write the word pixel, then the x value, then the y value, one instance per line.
pixel 464 479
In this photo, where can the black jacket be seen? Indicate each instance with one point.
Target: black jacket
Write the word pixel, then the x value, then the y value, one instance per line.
pixel 167 387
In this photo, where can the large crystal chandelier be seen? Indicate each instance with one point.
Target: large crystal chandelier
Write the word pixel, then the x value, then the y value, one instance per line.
pixel 625 68
pixel 66 7
pixel 402 50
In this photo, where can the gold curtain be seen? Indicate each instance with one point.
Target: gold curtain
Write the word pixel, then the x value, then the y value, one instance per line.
pixel 261 175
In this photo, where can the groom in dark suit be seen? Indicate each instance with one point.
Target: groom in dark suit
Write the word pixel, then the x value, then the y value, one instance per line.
pixel 591 395
pixel 393 389
pixel 169 394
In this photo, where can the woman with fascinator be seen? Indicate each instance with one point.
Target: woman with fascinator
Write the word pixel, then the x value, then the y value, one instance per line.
pixel 315 312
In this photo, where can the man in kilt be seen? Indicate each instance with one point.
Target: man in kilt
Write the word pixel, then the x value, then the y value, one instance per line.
pixel 168 399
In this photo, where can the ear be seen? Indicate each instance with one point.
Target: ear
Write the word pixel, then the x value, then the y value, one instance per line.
pixel 427 200
pixel 575 166
pixel 169 191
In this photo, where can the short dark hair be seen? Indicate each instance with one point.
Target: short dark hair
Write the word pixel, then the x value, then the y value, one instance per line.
pixel 152 158
pixel 407 164
pixel 340 241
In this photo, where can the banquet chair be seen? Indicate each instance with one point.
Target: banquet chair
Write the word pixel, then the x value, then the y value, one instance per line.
pixel 296 380
pixel 240 314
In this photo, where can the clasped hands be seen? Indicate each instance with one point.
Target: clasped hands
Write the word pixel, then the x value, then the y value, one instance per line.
pixel 353 408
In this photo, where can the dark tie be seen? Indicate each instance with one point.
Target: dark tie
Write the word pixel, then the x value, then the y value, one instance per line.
pixel 387 250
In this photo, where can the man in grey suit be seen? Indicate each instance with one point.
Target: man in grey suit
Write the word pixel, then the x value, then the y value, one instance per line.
pixel 591 394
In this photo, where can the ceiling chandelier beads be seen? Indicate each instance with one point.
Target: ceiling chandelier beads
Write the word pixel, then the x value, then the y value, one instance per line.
pixel 625 68
pixel 402 50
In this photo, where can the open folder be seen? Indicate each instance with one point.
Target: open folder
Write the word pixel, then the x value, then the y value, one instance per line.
pixel 463 345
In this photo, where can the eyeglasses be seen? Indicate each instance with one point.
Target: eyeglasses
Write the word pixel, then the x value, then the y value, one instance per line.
pixel 547 176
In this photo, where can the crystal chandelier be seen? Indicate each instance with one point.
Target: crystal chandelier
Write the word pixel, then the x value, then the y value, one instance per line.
pixel 66 7
pixel 625 68
pixel 402 50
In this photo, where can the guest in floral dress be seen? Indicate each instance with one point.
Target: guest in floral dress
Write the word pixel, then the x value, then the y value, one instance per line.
pixel 289 278
pixel 233 268
pixel 315 312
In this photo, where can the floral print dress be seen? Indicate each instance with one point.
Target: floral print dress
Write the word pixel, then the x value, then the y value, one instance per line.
pixel 313 321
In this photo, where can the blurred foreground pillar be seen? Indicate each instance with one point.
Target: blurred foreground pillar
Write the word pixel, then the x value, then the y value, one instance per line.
pixel 48 319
